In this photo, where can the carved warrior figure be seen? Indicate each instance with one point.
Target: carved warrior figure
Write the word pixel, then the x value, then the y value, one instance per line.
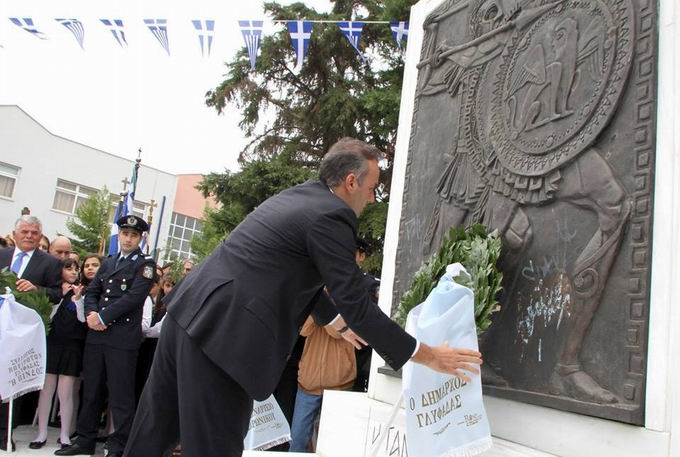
pixel 538 81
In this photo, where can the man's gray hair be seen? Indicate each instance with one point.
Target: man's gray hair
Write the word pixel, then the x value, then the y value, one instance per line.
pixel 347 156
pixel 31 220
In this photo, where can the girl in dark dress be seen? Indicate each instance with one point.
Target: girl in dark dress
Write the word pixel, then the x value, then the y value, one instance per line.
pixel 65 344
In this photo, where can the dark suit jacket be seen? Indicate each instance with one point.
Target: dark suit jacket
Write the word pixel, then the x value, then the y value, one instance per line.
pixel 43 270
pixel 118 295
pixel 245 304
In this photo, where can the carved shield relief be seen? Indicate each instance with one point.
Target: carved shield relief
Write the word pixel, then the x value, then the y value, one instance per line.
pixel 536 118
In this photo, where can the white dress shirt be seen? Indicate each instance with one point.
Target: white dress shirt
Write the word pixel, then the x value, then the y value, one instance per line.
pixel 24 262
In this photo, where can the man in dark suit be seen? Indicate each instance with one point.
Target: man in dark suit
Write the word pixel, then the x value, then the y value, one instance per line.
pixel 233 321
pixel 114 301
pixel 35 270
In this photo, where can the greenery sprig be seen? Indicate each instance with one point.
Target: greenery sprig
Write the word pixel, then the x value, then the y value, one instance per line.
pixel 478 251
pixel 37 300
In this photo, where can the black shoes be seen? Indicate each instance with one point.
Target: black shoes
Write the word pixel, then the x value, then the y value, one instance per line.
pixel 36 444
pixel 74 449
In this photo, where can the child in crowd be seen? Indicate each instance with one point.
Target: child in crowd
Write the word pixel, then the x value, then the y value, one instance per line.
pixel 65 343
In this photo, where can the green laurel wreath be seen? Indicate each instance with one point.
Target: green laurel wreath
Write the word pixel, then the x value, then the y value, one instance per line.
pixel 478 251
pixel 37 300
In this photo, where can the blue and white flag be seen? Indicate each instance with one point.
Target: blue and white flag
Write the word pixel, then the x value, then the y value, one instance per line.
pixel 76 28
pixel 300 36
pixel 116 28
pixel 206 32
pixel 27 24
pixel 252 33
pixel 125 207
pixel 352 31
pixel 159 28
pixel 113 239
pixel 399 31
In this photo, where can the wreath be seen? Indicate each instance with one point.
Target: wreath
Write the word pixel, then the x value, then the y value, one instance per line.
pixel 37 300
pixel 478 251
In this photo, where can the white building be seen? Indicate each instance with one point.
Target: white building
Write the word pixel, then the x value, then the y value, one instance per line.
pixel 52 176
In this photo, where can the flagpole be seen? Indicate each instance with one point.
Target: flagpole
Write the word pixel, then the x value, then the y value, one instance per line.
pixel 9 424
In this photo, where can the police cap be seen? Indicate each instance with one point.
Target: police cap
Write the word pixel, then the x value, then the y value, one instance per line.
pixel 133 222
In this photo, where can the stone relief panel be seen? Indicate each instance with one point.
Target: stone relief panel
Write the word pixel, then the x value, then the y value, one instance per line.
pixel 536 118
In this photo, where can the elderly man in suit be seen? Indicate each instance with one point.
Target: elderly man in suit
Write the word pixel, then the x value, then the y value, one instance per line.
pixel 233 321
pixel 35 270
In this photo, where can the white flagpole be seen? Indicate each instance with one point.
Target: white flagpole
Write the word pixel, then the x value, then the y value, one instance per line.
pixel 9 425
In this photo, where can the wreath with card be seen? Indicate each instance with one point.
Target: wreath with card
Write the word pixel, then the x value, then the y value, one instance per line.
pixel 37 300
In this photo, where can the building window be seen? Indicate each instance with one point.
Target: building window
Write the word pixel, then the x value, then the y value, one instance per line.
pixel 182 230
pixel 8 179
pixel 69 196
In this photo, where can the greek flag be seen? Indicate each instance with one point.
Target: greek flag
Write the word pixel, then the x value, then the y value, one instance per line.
pixel 206 32
pixel 116 28
pixel 159 28
pixel 399 31
pixel 125 207
pixel 26 23
pixel 300 36
pixel 76 28
pixel 352 31
pixel 252 32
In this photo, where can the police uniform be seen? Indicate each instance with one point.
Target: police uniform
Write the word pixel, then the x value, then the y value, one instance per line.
pixel 117 294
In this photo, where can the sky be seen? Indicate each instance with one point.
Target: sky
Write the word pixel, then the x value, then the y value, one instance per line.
pixel 119 100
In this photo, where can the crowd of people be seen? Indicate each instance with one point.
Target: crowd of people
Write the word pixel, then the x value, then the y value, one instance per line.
pixel 236 323
pixel 322 360
pixel 54 267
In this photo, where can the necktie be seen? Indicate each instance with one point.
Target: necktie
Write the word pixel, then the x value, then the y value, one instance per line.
pixel 119 261
pixel 16 266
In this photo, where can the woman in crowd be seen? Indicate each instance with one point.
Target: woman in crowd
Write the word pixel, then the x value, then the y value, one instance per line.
pixel 90 265
pixel 65 344
pixel 44 244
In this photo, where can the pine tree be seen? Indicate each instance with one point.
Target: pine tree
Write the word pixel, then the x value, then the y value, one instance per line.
pixel 90 226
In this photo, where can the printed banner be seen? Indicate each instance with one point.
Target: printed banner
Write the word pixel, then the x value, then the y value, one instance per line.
pixel 23 356
pixel 268 426
pixel 445 415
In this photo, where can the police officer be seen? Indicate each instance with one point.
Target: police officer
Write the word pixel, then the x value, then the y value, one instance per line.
pixel 113 305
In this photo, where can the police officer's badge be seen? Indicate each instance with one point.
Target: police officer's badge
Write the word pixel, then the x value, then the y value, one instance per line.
pixel 132 220
pixel 148 272
pixel 123 287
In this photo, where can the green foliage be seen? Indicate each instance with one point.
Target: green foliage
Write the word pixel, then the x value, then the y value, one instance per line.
pixel 478 251
pixel 298 116
pixel 91 223
pixel 240 193
pixel 36 300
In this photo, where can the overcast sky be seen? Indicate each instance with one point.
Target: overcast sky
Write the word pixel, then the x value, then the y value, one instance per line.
pixel 119 99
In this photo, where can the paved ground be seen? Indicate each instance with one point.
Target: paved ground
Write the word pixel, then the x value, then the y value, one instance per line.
pixel 24 435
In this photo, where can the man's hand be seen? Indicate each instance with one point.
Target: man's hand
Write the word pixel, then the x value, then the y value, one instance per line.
pixel 94 323
pixel 445 359
pixel 347 334
pixel 24 285
pixel 354 339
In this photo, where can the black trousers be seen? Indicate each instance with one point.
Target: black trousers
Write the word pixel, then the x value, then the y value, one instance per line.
pixel 188 399
pixel 115 369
